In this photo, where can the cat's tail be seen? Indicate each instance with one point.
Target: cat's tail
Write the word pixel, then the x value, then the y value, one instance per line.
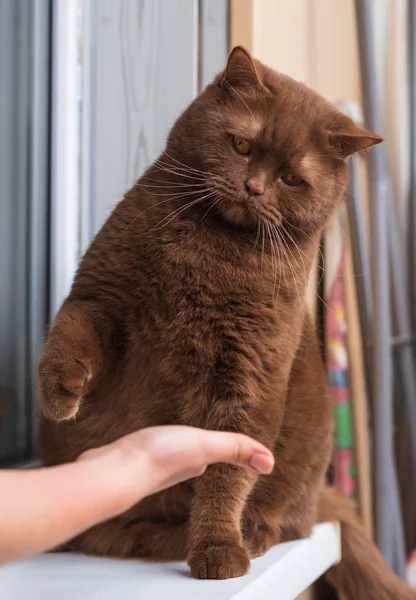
pixel 362 573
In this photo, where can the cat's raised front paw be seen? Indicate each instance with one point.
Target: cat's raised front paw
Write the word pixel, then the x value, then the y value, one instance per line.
pixel 62 385
pixel 219 562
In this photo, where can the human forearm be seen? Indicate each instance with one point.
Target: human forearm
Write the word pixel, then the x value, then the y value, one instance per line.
pixel 43 508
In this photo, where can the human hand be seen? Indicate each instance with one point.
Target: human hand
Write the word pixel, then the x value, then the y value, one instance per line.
pixel 155 458
pixel 42 508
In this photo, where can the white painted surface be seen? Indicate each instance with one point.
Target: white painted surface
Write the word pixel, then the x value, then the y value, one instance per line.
pixel 285 571
pixel 65 152
pixel 138 70
pixel 215 38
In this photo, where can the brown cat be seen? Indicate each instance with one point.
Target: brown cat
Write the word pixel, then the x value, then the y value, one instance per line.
pixel 189 307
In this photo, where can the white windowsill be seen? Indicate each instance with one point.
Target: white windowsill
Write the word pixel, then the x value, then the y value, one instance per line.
pixel 286 571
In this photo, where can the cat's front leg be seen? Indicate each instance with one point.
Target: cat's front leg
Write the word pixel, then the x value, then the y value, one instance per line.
pixel 71 358
pixel 215 543
pixel 245 392
pixel 216 548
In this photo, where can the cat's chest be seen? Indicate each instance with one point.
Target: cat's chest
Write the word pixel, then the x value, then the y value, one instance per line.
pixel 203 318
pixel 204 315
pixel 204 299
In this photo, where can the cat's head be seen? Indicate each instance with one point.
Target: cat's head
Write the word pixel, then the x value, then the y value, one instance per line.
pixel 269 149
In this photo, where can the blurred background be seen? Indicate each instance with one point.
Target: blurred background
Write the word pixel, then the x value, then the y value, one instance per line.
pixel 88 92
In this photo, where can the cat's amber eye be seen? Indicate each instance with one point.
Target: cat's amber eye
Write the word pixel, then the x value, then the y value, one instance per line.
pixel 241 146
pixel 292 179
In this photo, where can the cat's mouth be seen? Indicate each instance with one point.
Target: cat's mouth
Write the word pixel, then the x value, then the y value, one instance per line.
pixel 249 212
pixel 243 209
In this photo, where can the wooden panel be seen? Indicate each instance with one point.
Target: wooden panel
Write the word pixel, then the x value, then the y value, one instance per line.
pixel 215 37
pixel 241 23
pixel 334 64
pixel 311 40
pixel 145 64
pixel 394 86
pixel 281 36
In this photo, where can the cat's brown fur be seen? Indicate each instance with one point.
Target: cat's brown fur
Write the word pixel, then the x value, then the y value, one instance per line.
pixel 189 307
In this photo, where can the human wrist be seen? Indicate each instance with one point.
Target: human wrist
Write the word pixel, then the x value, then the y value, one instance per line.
pixel 120 475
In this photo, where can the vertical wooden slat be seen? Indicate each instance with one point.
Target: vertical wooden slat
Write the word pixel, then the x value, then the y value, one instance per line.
pixel 241 23
pixel 334 63
pixel 277 32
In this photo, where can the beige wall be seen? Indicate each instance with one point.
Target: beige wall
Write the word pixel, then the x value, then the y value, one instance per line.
pixel 311 40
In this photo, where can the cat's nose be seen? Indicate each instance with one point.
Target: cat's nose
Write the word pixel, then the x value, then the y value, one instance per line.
pixel 254 187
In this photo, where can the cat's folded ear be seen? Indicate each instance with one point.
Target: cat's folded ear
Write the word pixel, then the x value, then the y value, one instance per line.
pixel 349 138
pixel 240 70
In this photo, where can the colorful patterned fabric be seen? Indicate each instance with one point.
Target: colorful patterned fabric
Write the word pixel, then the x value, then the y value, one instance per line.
pixel 337 347
pixel 337 357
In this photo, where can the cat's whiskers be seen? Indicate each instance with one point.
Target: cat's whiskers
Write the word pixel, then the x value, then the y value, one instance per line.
pixel 274 263
pixel 225 187
pixel 313 263
pixel 175 213
pixel 178 173
pixel 267 228
pixel 258 236
pixel 319 267
pixel 262 249
pixel 168 199
pixel 298 248
pixel 168 185
pixel 187 168
pixel 315 290
pixel 185 171
pixel 172 168
pixel 289 262
pixel 214 202
pixel 213 179
pixel 279 241
pixel 178 194
pixel 184 165
pixel 278 250
pixel 142 212
pixel 315 244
